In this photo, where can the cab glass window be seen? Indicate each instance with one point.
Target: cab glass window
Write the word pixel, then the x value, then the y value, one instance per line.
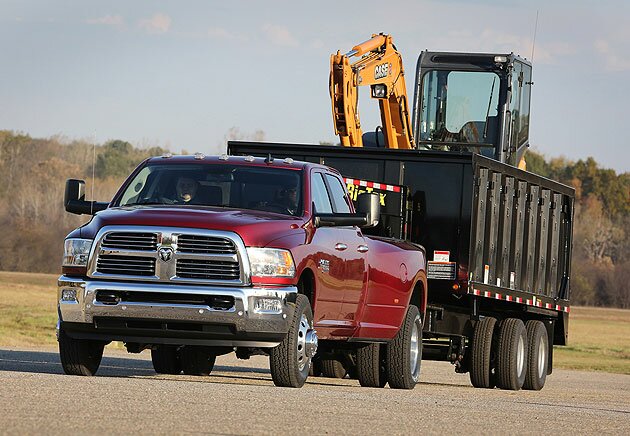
pixel 338 195
pixel 320 194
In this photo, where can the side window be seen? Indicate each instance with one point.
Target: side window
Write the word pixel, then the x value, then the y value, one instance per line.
pixel 320 194
pixel 338 194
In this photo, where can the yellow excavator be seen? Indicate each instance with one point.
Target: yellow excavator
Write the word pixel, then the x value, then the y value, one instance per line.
pixel 463 102
pixel 380 66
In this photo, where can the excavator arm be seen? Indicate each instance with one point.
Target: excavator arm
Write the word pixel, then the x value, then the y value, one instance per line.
pixel 380 66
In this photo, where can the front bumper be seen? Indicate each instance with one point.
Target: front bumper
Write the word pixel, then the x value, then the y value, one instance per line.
pixel 159 320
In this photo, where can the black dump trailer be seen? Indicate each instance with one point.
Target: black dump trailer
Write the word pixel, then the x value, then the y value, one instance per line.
pixel 498 241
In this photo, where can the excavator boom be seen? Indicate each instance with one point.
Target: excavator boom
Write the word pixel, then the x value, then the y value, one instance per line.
pixel 379 66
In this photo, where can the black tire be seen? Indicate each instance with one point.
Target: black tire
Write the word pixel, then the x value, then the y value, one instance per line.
pixel 289 367
pixel 537 355
pixel 399 357
pixel 166 359
pixel 511 354
pixel 316 368
pixel 481 359
pixel 333 368
pixel 79 356
pixel 196 360
pixel 371 366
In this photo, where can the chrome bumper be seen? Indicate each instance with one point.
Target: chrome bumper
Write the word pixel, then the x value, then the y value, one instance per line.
pixel 242 324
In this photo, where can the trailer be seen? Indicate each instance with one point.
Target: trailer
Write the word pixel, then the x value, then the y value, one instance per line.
pixel 498 240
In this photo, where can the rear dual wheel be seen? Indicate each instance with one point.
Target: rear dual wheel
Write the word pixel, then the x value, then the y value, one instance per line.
pixel 372 366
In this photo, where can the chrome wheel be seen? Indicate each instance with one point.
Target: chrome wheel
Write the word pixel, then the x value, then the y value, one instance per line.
pixel 303 357
pixel 542 357
pixel 414 348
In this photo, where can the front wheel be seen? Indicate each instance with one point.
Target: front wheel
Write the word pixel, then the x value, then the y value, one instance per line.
pixel 404 353
pixel 79 356
pixel 290 361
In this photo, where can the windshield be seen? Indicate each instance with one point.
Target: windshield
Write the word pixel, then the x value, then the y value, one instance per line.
pixel 242 187
pixel 460 106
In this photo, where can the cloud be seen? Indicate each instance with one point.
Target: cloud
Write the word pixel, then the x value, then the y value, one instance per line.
pixel 158 23
pixel 279 35
pixel 224 34
pixel 107 20
pixel 614 62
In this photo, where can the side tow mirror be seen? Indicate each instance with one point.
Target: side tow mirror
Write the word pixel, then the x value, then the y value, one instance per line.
pixel 74 199
pixel 369 203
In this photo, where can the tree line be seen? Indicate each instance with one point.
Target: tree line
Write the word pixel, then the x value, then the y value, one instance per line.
pixel 33 222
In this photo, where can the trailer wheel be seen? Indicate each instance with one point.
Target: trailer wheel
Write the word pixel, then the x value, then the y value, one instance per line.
pixel 404 353
pixel 481 362
pixel 290 361
pixel 197 360
pixel 166 359
pixel 333 368
pixel 79 356
pixel 512 354
pixel 537 355
pixel 371 366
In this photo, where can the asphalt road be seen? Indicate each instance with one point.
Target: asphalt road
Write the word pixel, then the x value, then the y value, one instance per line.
pixel 239 398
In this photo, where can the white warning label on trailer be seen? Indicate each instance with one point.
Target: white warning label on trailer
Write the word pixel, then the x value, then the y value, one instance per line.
pixel 441 270
pixel 441 256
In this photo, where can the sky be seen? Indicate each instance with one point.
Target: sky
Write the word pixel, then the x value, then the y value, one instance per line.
pixel 184 74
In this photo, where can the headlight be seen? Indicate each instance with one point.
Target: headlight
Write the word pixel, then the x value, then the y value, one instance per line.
pixel 271 262
pixel 76 252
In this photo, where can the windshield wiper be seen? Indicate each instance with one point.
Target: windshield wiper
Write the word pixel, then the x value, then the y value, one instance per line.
pixel 485 128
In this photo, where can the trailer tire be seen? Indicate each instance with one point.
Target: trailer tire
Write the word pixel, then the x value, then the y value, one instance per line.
pixel 333 368
pixel 481 360
pixel 196 360
pixel 512 354
pixel 404 353
pixel 371 366
pixel 289 362
pixel 537 355
pixel 166 359
pixel 79 356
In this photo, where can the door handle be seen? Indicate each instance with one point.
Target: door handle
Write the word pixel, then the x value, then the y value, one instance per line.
pixel 363 248
pixel 340 247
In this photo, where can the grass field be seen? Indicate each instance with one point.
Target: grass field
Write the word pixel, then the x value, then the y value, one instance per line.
pixel 599 339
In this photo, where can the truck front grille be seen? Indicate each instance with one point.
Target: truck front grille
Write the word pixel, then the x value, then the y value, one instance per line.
pixel 168 254
pixel 205 245
pixel 125 265
pixel 130 241
pixel 207 269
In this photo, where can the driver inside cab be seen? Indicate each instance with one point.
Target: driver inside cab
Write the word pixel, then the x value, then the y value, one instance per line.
pixel 186 190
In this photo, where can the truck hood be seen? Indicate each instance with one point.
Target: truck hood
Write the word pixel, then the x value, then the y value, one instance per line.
pixel 256 228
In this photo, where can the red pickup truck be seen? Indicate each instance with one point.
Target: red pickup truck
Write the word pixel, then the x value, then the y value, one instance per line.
pixel 200 256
